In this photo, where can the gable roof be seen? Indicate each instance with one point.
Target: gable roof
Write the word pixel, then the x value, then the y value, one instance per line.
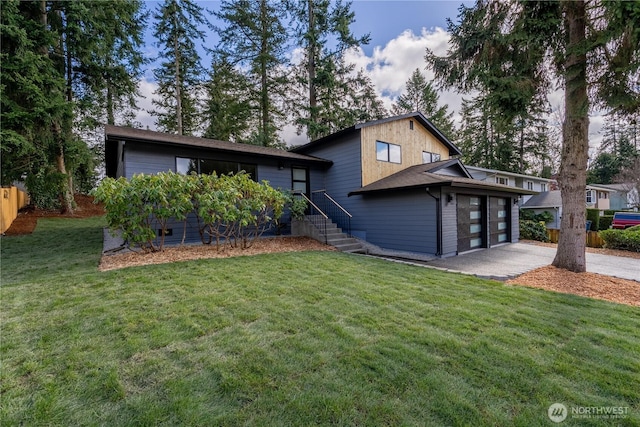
pixel 546 199
pixel 422 176
pixel 511 174
pixel 418 116
pixel 119 133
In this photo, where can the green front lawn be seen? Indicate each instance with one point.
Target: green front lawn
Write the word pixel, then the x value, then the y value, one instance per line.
pixel 315 338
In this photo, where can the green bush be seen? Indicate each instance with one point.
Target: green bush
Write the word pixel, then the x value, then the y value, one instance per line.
pixel 605 222
pixel 626 240
pixel 230 208
pixel 532 230
pixel 44 188
pixel 609 212
pixel 593 215
pixel 530 215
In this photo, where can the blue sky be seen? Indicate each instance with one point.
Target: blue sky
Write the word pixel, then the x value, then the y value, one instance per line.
pixel 400 32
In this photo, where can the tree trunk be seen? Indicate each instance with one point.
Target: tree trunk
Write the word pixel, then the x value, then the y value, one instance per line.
pixel 178 84
pixel 66 192
pixel 264 81
pixel 311 68
pixel 575 143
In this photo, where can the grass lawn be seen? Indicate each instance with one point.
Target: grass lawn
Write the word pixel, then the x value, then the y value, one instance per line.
pixel 314 338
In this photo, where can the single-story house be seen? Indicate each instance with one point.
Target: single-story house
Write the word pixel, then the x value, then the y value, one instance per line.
pixel 399 179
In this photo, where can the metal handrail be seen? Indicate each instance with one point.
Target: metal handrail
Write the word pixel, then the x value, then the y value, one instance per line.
pixel 304 196
pixel 311 218
pixel 336 213
pixel 337 204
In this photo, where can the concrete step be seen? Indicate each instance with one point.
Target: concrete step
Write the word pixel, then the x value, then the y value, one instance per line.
pixel 350 247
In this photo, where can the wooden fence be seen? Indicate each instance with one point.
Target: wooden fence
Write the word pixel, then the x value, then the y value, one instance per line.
pixel 593 238
pixel 12 200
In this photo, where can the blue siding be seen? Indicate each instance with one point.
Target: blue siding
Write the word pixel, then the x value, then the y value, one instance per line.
pixel 403 221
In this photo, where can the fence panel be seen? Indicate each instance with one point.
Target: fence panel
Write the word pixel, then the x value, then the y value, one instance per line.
pixel 593 238
pixel 12 201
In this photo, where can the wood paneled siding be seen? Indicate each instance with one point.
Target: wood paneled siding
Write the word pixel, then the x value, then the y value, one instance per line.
pixel 412 142
pixel 404 221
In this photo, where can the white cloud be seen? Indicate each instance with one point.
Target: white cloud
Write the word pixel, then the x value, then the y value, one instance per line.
pixel 390 66
pixel 144 103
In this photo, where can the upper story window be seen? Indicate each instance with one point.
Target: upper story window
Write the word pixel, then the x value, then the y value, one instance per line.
pixel 186 165
pixel 502 180
pixel 529 185
pixel 543 187
pixel 428 157
pixel 386 152
pixel 590 197
pixel 603 195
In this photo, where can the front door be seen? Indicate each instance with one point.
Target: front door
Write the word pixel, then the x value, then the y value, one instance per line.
pixel 470 222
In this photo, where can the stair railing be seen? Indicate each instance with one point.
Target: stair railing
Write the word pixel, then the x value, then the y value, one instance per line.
pixel 337 213
pixel 316 216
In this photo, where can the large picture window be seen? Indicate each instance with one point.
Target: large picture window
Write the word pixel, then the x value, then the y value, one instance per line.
pixel 386 152
pixel 186 165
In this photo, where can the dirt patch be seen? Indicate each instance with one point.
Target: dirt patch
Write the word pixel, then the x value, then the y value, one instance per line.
pixel 27 218
pixel 585 284
pixel 191 252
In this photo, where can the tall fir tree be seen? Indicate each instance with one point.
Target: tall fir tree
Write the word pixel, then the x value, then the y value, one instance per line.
pixel 322 29
pixel 420 95
pixel 254 39
pixel 180 74
pixel 503 48
pixel 227 106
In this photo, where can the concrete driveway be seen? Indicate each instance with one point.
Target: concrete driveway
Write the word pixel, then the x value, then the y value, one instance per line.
pixel 507 261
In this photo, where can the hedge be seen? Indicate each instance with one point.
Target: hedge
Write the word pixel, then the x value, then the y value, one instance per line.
pixel 532 230
pixel 626 240
pixel 605 222
pixel 232 209
pixel 593 215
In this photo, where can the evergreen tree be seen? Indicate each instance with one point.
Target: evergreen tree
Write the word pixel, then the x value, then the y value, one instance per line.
pixel 502 48
pixel 180 73
pixel 254 39
pixel 420 95
pixel 227 109
pixel 328 89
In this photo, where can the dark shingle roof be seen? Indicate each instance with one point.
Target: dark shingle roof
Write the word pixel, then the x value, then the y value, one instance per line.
pixel 546 199
pixel 422 176
pixel 114 133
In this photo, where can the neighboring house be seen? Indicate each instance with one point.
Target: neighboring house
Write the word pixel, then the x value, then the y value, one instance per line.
pixel 549 201
pixel 527 182
pixel 596 197
pixel 622 196
pixel 398 178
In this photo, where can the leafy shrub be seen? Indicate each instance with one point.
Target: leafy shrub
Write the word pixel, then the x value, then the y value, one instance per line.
pixel 44 188
pixel 233 208
pixel 626 240
pixel 530 215
pixel 605 222
pixel 593 215
pixel 532 230
pixel 608 212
